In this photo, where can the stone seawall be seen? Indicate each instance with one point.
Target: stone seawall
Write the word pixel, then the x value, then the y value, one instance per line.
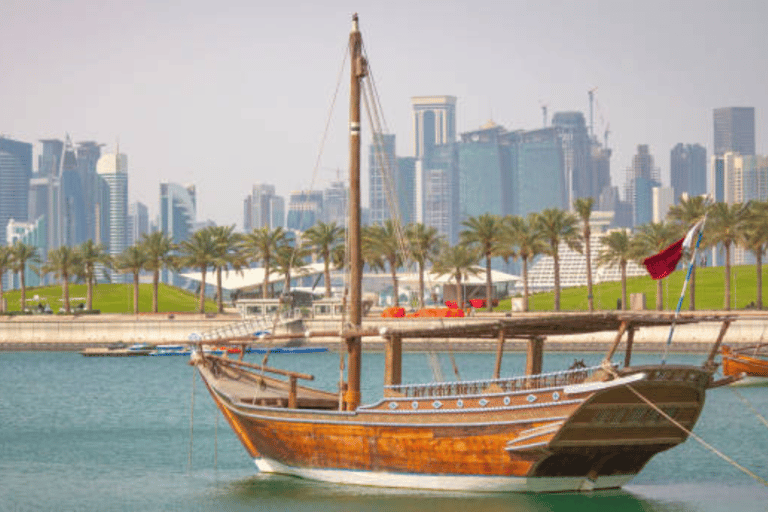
pixel 54 332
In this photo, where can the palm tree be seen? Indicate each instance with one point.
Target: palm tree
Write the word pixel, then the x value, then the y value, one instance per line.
pixel 5 264
pixel 723 228
pixel 555 226
pixel 262 243
pixel 63 264
pixel 487 233
pixel 457 261
pixel 323 238
pixel 133 259
pixel 524 235
pixel 583 207
pixel 616 249
pixel 228 254
pixel 686 213
pixel 425 244
pixel 199 252
pixel 383 242
pixel 754 237
pixel 21 255
pixel 159 248
pixel 91 254
pixel 650 239
pixel 288 257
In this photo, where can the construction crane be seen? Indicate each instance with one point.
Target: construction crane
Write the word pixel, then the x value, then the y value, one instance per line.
pixel 544 112
pixel 591 94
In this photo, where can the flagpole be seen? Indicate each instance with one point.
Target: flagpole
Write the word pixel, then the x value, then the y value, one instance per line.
pixel 682 294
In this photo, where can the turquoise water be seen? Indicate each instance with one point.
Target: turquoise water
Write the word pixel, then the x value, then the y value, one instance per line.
pixel 102 434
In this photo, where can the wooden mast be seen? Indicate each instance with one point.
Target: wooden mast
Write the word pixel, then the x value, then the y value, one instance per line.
pixel 357 72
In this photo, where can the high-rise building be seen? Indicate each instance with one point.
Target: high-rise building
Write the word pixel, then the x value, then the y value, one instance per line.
pixel 30 233
pixel 335 199
pixel 577 164
pixel 734 130
pixel 138 222
pixel 382 178
pixel 642 176
pixel 406 188
pixel 113 170
pixel 434 123
pixel 15 173
pixel 88 154
pixel 481 165
pixel 740 178
pixel 262 208
pixel 178 215
pixel 688 170
pixel 305 208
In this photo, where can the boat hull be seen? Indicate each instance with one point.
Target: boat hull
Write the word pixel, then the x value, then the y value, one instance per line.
pixel 564 438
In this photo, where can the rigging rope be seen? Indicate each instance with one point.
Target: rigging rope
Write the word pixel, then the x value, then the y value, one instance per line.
pixel 191 420
pixel 749 404
pixel 690 433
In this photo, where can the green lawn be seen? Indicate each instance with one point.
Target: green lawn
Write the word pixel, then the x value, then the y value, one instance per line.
pixel 709 291
pixel 112 298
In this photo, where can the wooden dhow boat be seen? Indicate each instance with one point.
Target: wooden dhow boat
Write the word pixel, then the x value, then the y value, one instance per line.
pixel 751 362
pixel 578 429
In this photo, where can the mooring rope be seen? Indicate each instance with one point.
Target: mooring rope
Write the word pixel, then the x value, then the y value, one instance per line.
pixel 191 420
pixel 749 404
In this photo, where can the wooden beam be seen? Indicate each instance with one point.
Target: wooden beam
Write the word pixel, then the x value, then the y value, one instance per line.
pixel 535 356
pixel 393 363
pixel 277 371
pixel 499 354
pixel 622 328
pixel 630 340
pixel 716 346
pixel 292 393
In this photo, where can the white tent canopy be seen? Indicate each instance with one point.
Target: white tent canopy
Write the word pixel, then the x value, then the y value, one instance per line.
pixel 253 277
pixel 431 278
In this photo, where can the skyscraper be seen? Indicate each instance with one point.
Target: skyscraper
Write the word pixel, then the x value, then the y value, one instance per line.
pixel 382 177
pixel 642 176
pixel 577 164
pixel 335 199
pixel 138 221
pixel 88 154
pixel 734 130
pixel 15 173
pixel 434 123
pixel 113 170
pixel 481 165
pixel 178 215
pixel 305 208
pixel 688 170
pixel 262 208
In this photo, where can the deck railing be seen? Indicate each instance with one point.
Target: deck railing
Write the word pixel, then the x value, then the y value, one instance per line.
pixel 236 329
pixel 475 387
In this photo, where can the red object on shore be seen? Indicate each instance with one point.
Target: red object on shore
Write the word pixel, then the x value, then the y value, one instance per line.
pixel 451 304
pixel 662 264
pixel 393 312
pixel 477 303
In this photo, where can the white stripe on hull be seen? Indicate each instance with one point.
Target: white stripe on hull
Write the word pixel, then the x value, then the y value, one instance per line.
pixel 445 482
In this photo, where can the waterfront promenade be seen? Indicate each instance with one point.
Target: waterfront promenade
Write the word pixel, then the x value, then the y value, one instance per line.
pixel 74 332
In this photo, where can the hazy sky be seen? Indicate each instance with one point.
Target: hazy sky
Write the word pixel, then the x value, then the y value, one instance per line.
pixel 227 94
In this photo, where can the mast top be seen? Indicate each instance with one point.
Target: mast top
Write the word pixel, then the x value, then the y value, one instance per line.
pixel 355 28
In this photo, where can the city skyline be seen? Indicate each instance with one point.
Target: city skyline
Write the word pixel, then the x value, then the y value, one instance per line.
pixel 247 102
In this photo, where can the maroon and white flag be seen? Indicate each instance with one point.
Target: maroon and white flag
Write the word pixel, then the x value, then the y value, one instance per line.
pixel 662 264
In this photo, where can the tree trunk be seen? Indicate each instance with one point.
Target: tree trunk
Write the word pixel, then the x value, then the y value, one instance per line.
pixel 459 298
pixel 2 295
pixel 155 286
pixel 23 289
pixel 287 283
pixel 623 265
pixel 219 290
pixel 525 283
pixel 659 294
pixel 421 286
pixel 590 297
pixel 265 286
pixel 557 281
pixel 65 287
pixel 488 283
pixel 759 268
pixel 89 290
pixel 202 290
pixel 135 293
pixel 327 276
pixel 393 271
pixel 727 306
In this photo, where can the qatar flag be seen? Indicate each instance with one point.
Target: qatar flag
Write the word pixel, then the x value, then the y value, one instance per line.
pixel 662 264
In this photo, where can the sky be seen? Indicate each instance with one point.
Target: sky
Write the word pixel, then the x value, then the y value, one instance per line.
pixel 232 93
